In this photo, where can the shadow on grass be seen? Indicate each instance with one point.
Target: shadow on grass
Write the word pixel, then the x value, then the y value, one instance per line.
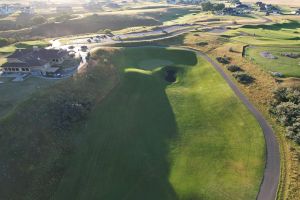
pixel 275 27
pixel 126 153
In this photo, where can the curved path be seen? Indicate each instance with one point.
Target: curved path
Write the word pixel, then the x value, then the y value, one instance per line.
pixel 270 182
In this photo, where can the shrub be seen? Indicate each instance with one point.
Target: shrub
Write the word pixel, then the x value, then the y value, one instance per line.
pixel 234 68
pixel 243 77
pixel 38 20
pixel 107 32
pixel 201 44
pixel 224 60
pixel 218 6
pixel 207 6
pixel 286 108
pixel 69 111
pixel 3 42
pixel 291 55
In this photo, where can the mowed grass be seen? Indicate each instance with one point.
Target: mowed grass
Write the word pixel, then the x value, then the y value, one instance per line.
pixel 275 38
pixel 289 67
pixel 280 34
pixel 13 93
pixel 26 44
pixel 150 139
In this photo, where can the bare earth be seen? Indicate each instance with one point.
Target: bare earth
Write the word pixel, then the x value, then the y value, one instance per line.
pixel 281 2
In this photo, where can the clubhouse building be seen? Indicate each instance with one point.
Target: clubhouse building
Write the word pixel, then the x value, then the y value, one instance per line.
pixel 35 61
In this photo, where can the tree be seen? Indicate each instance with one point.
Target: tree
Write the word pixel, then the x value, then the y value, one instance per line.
pixel 234 68
pixel 235 1
pixel 207 6
pixel 224 60
pixel 218 7
pixel 286 109
pixel 38 20
pixel 107 32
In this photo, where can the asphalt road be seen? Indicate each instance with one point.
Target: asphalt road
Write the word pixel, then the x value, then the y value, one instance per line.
pixel 270 182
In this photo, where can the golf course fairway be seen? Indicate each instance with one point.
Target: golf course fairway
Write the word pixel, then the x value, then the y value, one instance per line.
pixel 151 139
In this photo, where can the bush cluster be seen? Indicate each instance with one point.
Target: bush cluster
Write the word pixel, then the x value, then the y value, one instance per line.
pixel 291 55
pixel 68 110
pixel 224 60
pixel 243 77
pixel 286 108
pixel 201 44
pixel 208 6
pixel 234 68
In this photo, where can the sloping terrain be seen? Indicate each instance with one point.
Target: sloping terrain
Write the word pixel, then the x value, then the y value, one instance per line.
pixel 150 139
pixel 37 137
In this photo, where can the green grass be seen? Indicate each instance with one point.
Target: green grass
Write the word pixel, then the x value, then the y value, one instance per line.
pixel 289 67
pixel 281 34
pixel 25 44
pixel 13 93
pixel 153 140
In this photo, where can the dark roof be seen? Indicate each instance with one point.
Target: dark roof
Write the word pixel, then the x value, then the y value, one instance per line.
pixel 35 61
pixel 45 54
pixel 37 57
pixel 15 64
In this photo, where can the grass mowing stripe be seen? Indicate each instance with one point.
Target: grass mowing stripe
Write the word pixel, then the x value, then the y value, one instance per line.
pixel 150 139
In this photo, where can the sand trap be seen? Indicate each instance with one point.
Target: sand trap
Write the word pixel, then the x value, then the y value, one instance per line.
pixel 268 55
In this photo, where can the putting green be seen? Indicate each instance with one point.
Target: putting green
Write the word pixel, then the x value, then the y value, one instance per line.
pixel 150 139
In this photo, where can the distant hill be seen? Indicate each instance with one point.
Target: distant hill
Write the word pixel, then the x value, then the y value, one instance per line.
pixel 280 2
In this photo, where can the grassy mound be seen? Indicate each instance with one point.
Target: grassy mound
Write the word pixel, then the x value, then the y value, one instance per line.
pixel 150 139
pixel 36 138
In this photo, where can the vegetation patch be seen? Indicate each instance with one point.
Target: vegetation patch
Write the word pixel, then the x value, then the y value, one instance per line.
pixel 286 108
pixel 224 60
pixel 291 55
pixel 153 140
pixel 202 44
pixel 234 68
pixel 243 77
pixel 37 137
